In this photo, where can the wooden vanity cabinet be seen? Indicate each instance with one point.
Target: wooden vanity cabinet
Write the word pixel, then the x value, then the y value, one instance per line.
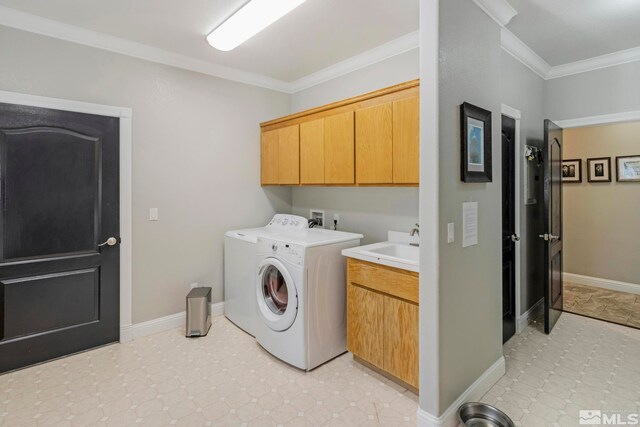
pixel 382 319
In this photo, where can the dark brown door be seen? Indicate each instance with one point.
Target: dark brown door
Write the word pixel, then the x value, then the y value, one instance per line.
pixel 59 289
pixel 553 224
pixel 509 237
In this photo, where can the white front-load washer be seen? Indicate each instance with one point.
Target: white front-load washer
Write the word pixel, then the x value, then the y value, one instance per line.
pixel 301 295
pixel 240 266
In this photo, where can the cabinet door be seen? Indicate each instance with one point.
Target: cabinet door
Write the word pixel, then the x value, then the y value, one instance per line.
pixel 269 158
pixel 364 324
pixel 312 152
pixel 401 340
pixel 406 141
pixel 339 149
pixel 374 145
pixel 289 155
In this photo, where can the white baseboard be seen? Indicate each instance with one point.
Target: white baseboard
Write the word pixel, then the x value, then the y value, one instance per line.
pixel 597 282
pixel 529 315
pixel 472 394
pixel 139 330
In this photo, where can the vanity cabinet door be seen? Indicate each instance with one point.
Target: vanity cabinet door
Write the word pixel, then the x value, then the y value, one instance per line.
pixel 339 155
pixel 312 152
pixel 269 158
pixel 374 144
pixel 289 155
pixel 365 330
pixel 401 340
pixel 406 141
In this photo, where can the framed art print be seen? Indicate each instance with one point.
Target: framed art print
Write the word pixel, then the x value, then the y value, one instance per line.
pixel 628 168
pixel 599 169
pixel 475 130
pixel 572 170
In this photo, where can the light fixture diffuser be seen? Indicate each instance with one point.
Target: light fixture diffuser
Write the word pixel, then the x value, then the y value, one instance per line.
pixel 253 17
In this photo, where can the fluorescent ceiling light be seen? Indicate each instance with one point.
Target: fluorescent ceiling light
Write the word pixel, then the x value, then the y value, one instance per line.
pixel 253 17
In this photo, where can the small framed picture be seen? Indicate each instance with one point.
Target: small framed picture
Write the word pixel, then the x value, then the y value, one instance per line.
pixel 628 168
pixel 572 170
pixel 475 129
pixel 599 169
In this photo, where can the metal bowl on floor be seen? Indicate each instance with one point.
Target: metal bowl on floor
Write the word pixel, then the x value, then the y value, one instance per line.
pixel 476 414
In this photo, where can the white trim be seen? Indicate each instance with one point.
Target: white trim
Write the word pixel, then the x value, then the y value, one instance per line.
pixel 387 50
pixel 473 393
pixel 613 285
pixel 529 315
pixel 595 63
pixel 165 323
pixel 50 28
pixel 429 351
pixel 627 116
pixel 523 53
pixel 517 116
pixel 125 115
pixel 499 10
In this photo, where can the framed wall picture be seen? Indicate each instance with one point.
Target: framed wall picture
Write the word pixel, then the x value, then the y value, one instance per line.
pixel 628 168
pixel 599 169
pixel 475 130
pixel 572 170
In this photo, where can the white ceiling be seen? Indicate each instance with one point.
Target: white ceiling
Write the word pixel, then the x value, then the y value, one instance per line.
pixel 314 36
pixel 563 31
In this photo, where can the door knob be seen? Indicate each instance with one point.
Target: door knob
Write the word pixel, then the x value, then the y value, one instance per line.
pixel 545 236
pixel 552 237
pixel 111 241
pixel 515 238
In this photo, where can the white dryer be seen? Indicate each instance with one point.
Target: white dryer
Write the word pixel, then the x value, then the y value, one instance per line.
pixel 240 266
pixel 301 295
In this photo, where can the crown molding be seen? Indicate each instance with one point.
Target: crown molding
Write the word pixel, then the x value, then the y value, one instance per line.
pixel 604 119
pixel 377 54
pixel 499 10
pixel 596 63
pixel 523 53
pixel 55 29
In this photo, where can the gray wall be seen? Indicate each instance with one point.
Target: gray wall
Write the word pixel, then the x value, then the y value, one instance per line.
pixel 370 211
pixel 470 330
pixel 601 220
pixel 195 156
pixel 605 91
pixel 523 90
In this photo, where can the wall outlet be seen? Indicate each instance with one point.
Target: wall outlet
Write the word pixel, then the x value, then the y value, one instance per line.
pixel 195 285
pixel 336 218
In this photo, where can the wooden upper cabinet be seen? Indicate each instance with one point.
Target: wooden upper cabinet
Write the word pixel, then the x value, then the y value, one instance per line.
pixel 374 144
pixel 312 162
pixel 370 139
pixel 289 155
pixel 406 141
pixel 269 157
pixel 339 156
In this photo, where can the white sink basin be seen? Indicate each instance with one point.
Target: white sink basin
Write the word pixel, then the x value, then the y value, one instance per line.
pixel 399 251
pixel 392 254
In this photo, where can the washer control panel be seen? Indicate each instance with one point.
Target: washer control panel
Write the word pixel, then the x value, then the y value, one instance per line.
pixel 285 251
pixel 288 222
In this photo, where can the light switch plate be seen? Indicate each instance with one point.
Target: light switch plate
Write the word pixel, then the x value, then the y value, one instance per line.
pixel 450 232
pixel 153 214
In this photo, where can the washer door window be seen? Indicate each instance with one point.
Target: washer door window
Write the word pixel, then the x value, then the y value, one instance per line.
pixel 277 296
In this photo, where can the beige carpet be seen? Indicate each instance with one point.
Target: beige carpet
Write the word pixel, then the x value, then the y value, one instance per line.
pixel 612 306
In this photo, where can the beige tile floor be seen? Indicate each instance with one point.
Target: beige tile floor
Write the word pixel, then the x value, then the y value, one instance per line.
pixel 583 364
pixel 224 379
pixel 612 306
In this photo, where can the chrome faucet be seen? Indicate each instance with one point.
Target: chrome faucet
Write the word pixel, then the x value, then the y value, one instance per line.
pixel 415 230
